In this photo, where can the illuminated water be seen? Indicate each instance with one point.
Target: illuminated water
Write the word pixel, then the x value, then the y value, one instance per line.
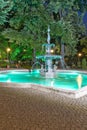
pixel 65 80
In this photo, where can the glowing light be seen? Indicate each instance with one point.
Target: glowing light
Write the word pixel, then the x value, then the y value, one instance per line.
pixel 79 80
pixel 9 80
pixel 51 51
pixel 8 49
pixel 52 83
pixel 79 54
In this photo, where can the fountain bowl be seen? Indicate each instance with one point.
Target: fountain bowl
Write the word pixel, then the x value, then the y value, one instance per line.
pixel 65 84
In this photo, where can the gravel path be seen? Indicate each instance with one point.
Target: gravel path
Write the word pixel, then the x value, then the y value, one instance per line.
pixel 30 109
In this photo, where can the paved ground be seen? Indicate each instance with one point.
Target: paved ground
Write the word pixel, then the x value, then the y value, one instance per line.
pixel 28 109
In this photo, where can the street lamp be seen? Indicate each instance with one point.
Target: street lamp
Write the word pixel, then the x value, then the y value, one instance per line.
pixel 8 54
pixel 79 54
pixel 8 50
pixel 79 62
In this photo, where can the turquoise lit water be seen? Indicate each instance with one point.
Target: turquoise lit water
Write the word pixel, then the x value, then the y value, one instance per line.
pixel 65 80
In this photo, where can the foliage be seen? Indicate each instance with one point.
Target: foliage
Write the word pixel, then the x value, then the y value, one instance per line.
pixel 84 64
pixel 3 47
pixel 83 43
pixel 28 21
pixel 5 7
pixel 65 23
pixel 28 25
pixel 81 4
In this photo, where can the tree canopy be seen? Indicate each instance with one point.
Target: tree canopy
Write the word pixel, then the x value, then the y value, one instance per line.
pixel 5 7
pixel 26 23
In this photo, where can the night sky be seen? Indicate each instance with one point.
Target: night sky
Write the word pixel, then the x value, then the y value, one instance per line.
pixel 85 19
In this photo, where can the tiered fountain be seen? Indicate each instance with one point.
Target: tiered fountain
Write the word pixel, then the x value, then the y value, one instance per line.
pixel 49 70
pixel 71 83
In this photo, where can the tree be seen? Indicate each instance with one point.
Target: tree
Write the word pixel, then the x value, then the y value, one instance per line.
pixel 28 25
pixel 28 21
pixel 67 23
pixel 61 11
pixel 5 7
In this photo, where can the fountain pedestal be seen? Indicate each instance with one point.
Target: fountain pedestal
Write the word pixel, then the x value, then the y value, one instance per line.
pixel 48 74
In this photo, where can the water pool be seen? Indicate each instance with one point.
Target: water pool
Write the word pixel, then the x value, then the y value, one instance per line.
pixel 63 80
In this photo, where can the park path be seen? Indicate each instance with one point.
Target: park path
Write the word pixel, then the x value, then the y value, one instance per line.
pixel 31 109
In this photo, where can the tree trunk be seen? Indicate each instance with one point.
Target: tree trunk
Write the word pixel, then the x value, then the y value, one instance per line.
pixel 34 55
pixel 63 54
pixel 62 50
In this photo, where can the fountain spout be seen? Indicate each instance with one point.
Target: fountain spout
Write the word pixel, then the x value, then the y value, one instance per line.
pixel 48 38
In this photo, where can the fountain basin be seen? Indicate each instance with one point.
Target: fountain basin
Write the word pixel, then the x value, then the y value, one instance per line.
pixel 64 84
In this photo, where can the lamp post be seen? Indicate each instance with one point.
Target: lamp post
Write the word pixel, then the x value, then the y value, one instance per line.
pixel 79 56
pixel 8 54
pixel 79 62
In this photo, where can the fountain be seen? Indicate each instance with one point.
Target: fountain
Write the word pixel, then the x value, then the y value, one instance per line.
pixel 49 70
pixel 71 83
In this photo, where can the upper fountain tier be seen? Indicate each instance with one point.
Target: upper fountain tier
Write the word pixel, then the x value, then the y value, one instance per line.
pixel 52 57
pixel 48 47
